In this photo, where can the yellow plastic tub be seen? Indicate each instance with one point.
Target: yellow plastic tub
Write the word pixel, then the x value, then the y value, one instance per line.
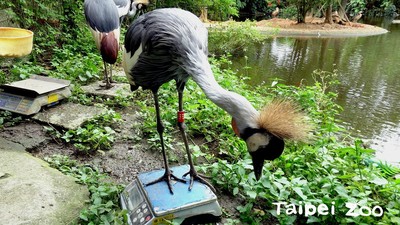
pixel 15 42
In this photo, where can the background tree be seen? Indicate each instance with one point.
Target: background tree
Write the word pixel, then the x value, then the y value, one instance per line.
pixel 303 7
pixel 215 9
pixel 328 12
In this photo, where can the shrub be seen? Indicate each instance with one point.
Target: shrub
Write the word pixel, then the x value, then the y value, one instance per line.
pixel 233 37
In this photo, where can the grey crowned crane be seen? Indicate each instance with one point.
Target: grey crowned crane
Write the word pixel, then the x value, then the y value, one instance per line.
pixel 357 17
pixel 103 20
pixel 171 44
pixel 129 7
pixel 275 12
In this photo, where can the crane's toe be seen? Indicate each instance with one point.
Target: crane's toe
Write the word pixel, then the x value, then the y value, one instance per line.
pixel 167 177
pixel 198 177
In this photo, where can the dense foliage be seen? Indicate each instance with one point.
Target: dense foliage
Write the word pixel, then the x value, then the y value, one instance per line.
pixel 217 10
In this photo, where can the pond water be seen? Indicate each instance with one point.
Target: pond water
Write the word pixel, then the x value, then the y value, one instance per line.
pixel 368 69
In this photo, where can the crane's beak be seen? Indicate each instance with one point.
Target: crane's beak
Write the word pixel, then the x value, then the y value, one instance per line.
pixel 261 148
pixel 258 164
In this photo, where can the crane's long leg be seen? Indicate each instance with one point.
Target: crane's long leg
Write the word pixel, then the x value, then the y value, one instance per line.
pixel 168 176
pixel 181 124
pixel 110 80
pixel 107 79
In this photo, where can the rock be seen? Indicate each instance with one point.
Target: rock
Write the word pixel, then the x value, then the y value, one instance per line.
pixel 34 193
pixel 119 89
pixel 69 115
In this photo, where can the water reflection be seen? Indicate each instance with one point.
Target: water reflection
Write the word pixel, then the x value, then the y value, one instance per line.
pixel 368 69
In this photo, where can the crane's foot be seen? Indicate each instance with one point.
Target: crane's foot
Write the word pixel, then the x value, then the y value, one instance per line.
pixel 199 177
pixel 167 177
pixel 106 85
pixel 110 81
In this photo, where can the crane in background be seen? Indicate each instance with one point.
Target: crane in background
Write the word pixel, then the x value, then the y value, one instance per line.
pixel 275 13
pixel 104 18
pixel 130 7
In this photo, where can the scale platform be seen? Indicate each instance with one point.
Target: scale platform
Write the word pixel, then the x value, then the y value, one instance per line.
pixel 154 204
pixel 28 96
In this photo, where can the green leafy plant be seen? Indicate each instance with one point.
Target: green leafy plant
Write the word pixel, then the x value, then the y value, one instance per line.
pixel 24 70
pixel 357 6
pixel 387 169
pixel 95 135
pixel 103 207
pixel 91 138
pixel 7 119
pixel 69 65
pixel 233 37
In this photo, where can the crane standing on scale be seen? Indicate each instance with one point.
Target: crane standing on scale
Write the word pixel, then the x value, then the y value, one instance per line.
pixel 172 44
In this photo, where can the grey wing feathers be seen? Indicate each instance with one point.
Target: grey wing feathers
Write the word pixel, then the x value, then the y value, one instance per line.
pixel 101 15
pixel 121 3
pixel 133 37
pixel 173 29
pixel 154 66
pixel 166 35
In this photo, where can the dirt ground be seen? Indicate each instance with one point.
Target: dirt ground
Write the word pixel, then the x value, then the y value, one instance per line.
pixel 311 23
pixel 316 26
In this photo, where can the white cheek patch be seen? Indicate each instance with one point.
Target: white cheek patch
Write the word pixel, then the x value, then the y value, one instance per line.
pixel 129 62
pixel 256 140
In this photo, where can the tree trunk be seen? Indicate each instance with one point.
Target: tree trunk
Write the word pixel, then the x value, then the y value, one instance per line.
pixel 342 12
pixel 301 12
pixel 328 15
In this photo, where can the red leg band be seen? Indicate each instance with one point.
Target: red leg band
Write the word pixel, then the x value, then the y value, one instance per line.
pixel 181 116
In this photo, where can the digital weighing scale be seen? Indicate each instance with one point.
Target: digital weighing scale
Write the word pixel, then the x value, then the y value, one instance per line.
pixel 154 204
pixel 28 96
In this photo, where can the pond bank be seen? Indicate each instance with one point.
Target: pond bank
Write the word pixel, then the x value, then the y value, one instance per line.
pixel 316 28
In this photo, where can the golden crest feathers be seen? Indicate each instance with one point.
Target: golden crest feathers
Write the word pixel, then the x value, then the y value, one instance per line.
pixel 284 119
